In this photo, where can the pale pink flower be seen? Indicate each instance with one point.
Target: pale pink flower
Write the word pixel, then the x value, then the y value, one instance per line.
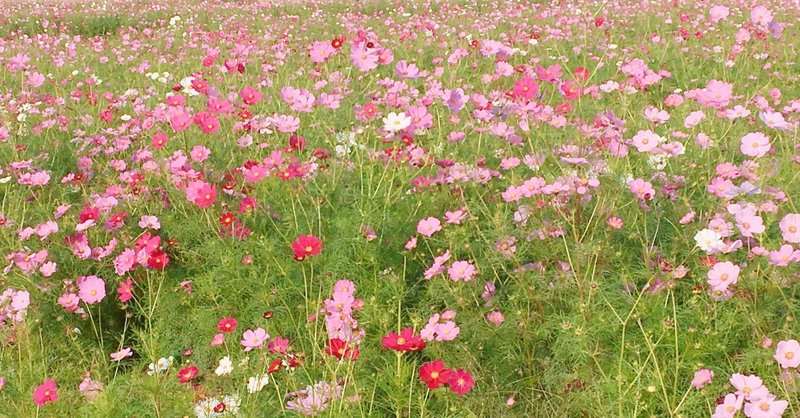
pixel 723 275
pixel 122 354
pixel 755 144
pixel 788 354
pixel 254 338
pixel 790 228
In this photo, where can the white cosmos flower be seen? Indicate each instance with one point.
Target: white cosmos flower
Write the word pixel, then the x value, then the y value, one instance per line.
pixel 225 366
pixel 395 122
pixel 708 240
pixel 256 383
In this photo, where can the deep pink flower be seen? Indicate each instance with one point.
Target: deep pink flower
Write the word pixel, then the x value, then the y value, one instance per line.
pixel 46 392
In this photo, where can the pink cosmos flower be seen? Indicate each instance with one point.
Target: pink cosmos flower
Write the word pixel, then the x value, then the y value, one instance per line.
pixel 643 190
pixel 46 392
pixel 461 270
pixel 718 13
pixel 765 407
pixel 254 339
pixel 321 51
pixel 429 226
pixel 729 406
pixel 199 153
pixel 219 339
pixel 125 262
pixel 69 301
pixel 788 354
pixel 122 354
pixel 447 331
pixel 749 223
pixel 702 378
pixel 785 255
pixel 723 275
pixel 774 120
pixel 755 144
pixel 201 193
pixel 365 59
pixel 790 228
pixel 149 222
pixel 455 217
pixel 716 94
pixel 250 96
pixel 760 15
pixel 746 384
pixel 125 290
pixel 495 317
pixel 646 141
pixel 91 289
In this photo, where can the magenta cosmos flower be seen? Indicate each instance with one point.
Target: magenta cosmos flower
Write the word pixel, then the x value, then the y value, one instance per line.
pixel 46 392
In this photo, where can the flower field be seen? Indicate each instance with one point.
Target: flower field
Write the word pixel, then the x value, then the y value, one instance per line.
pixel 386 208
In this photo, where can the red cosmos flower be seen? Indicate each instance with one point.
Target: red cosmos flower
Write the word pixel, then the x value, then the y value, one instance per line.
pixel 460 382
pixel 250 96
pixel 227 324
pixel 405 341
pixel 338 42
pixel 295 360
pixel 306 245
pixel 598 21
pixel 157 260
pixel 297 143
pixel 227 219
pixel 434 374
pixel 274 366
pixel 187 374
pixel 339 349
